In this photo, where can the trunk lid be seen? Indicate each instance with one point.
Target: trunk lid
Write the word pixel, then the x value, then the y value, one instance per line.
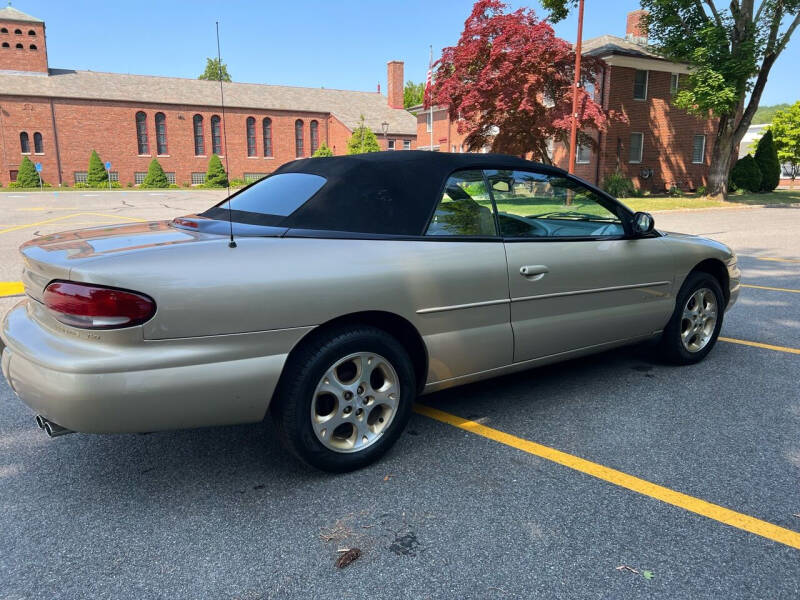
pixel 54 256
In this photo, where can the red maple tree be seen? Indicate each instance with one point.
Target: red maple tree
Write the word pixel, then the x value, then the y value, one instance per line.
pixel 509 82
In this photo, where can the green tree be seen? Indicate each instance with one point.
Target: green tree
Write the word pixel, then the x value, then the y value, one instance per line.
pixel 323 150
pixel 766 158
pixel 216 175
pixel 363 140
pixel 746 175
pixel 413 94
pixel 97 175
pixel 215 71
pixel 27 177
pixel 731 48
pixel 786 134
pixel 765 114
pixel 155 178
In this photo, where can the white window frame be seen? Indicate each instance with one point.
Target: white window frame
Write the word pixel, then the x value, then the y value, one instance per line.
pixel 139 177
pixel 586 148
pixel 198 178
pixel 113 175
pixel 80 176
pixel 428 121
pixel 170 175
pixel 390 145
pixel 703 151
pixel 646 84
pixel 641 148
pixel 406 144
pixel 674 83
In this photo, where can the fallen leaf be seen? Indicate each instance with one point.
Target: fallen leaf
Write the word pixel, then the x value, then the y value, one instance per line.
pixel 627 568
pixel 347 557
pixel 647 574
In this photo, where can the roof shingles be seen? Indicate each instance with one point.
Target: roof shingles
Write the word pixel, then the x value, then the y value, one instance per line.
pixel 347 106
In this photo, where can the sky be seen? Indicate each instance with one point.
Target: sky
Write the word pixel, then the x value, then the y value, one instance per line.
pixel 343 44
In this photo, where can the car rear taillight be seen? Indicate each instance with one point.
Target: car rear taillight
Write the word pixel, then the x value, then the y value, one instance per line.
pixel 97 307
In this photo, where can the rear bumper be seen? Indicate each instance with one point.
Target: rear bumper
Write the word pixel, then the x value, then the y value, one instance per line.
pixel 90 386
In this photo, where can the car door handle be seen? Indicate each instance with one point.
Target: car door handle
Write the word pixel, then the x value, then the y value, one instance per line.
pixel 533 272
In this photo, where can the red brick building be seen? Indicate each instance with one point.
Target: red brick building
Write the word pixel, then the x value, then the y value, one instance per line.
pixel 659 147
pixel 58 116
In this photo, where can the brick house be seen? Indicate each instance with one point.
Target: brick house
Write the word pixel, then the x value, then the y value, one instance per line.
pixel 659 147
pixel 58 116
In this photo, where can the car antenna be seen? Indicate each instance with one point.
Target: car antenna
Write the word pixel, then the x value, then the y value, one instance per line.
pixel 232 242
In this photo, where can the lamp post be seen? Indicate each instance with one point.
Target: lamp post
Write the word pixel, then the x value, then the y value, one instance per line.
pixel 573 134
pixel 385 130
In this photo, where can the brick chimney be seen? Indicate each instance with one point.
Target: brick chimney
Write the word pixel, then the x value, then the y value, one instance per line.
pixel 636 30
pixel 394 87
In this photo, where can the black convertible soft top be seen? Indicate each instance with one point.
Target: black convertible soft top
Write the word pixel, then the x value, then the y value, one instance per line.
pixel 385 192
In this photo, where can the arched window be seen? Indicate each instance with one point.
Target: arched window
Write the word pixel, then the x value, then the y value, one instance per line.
pixel 18 31
pixel 3 30
pixel 141 133
pixel 6 45
pixel 251 136
pixel 314 136
pixel 38 146
pixel 161 133
pixel 24 143
pixel 216 135
pixel 298 138
pixel 33 46
pixel 267 131
pixel 19 47
pixel 31 32
pixel 199 143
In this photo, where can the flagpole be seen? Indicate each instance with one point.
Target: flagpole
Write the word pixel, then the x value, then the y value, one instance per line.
pixel 430 92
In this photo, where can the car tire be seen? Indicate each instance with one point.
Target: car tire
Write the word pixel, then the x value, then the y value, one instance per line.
pixel 689 336
pixel 331 391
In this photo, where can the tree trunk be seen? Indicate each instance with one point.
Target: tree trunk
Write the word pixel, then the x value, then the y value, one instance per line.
pixel 721 158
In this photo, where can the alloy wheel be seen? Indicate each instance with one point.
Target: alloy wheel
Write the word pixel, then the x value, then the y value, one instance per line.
pixel 699 320
pixel 354 402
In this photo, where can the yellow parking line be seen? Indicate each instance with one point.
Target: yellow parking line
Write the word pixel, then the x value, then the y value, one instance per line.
pixel 45 222
pixel 770 288
pixel 635 484
pixel 788 260
pixel 11 288
pixel 107 216
pixel 760 345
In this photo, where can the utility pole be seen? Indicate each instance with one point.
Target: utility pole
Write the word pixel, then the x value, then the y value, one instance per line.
pixel 573 134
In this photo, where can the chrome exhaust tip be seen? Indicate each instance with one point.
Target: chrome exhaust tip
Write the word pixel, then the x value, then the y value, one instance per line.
pixel 51 429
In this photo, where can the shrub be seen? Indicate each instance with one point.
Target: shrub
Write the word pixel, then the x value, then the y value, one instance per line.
pixel 238 182
pixel 746 174
pixel 766 158
pixel 323 150
pixel 674 191
pixel 79 185
pixel 27 177
pixel 97 176
pixel 702 190
pixel 216 177
pixel 618 185
pixel 155 177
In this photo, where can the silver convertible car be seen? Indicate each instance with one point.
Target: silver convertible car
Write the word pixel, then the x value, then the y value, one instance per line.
pixel 335 291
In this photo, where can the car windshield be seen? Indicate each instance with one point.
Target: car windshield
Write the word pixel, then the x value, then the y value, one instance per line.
pixel 270 200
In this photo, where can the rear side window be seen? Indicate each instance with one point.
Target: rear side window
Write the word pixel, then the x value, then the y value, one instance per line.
pixel 465 208
pixel 268 201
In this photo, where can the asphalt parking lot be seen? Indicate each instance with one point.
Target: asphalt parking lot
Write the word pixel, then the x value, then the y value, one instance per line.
pixel 613 476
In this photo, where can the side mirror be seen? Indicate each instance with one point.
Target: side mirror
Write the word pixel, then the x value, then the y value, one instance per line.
pixel 643 223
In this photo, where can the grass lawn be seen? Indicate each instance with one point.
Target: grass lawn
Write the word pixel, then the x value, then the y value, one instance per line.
pixel 655 203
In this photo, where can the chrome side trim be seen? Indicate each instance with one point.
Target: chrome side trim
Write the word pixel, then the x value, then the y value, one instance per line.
pixel 435 309
pixel 615 288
